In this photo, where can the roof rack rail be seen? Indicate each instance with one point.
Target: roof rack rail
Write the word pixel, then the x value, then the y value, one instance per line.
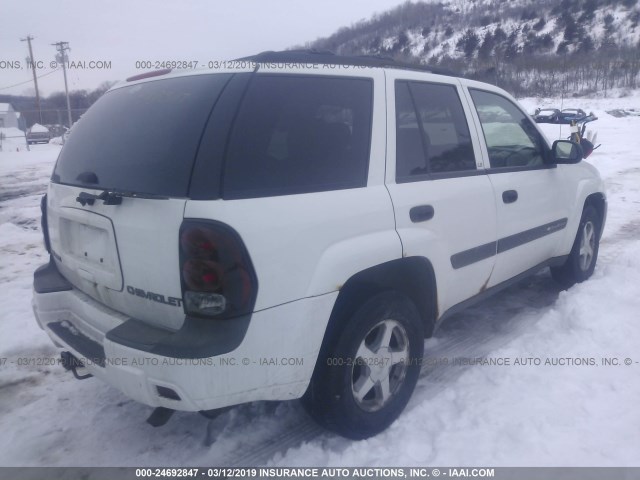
pixel 326 57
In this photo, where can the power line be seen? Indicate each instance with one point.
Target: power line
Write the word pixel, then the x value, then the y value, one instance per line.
pixel 29 81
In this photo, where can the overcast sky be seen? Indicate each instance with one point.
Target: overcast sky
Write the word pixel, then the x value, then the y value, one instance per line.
pixel 123 32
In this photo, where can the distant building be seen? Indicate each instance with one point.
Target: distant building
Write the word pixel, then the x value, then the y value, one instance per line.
pixel 8 116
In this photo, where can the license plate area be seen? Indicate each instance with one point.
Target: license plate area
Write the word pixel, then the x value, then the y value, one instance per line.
pixel 87 249
pixel 85 242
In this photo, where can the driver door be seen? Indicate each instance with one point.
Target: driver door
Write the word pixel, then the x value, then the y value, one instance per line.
pixel 532 211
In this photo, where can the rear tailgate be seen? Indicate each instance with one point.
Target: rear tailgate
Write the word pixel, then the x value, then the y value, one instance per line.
pixel 137 145
pixel 125 256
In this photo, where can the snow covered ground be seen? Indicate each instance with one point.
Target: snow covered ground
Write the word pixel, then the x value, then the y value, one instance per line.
pixel 460 415
pixel 12 140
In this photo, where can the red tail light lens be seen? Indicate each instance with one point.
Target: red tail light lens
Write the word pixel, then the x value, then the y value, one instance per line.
pixel 202 275
pixel 218 279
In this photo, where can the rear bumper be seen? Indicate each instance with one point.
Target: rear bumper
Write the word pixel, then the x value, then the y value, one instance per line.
pixel 270 356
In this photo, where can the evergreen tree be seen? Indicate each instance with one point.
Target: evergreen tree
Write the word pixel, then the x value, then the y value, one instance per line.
pixel 468 43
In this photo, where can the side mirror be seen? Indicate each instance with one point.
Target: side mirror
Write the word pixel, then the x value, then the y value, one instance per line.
pixel 565 151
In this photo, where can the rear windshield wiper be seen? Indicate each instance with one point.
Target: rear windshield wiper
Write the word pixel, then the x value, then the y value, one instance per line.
pixel 114 197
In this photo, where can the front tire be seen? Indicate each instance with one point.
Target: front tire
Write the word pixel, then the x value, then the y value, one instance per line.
pixel 584 254
pixel 363 381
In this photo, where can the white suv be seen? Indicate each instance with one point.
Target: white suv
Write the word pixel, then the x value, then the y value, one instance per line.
pixel 295 226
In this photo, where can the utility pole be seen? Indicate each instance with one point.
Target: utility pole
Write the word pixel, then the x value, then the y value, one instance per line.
pixel 62 47
pixel 33 70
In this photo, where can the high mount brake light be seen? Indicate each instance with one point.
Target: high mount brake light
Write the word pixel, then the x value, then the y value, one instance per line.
pixel 217 277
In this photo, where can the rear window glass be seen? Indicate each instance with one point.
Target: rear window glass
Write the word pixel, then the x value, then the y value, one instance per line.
pixel 299 134
pixel 141 138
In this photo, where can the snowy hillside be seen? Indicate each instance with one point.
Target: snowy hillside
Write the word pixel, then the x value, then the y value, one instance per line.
pixel 570 410
pixel 535 46
pixel 428 30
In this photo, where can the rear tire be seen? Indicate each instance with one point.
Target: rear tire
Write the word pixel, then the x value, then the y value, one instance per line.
pixel 584 254
pixel 366 375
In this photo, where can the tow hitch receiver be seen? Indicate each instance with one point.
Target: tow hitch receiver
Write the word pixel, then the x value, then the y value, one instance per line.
pixel 70 362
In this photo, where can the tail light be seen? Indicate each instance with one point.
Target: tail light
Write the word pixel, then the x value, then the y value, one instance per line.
pixel 44 224
pixel 218 279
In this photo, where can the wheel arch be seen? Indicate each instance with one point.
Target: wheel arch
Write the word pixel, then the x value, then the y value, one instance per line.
pixel 588 194
pixel 411 276
pixel 597 200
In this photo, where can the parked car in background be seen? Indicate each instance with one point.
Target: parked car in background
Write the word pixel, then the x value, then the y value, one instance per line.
pixel 56 130
pixel 38 134
pixel 569 115
pixel 547 115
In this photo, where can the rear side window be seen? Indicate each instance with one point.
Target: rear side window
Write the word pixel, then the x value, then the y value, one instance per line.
pixel 299 134
pixel 141 138
pixel 432 134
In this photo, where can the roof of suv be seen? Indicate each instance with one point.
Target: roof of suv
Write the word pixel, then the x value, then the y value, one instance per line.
pixel 325 57
pixel 295 57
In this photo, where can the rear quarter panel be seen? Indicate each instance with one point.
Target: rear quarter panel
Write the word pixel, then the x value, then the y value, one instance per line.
pixel 310 244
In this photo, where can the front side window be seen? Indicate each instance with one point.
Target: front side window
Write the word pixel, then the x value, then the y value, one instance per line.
pixel 511 138
pixel 299 134
pixel 432 134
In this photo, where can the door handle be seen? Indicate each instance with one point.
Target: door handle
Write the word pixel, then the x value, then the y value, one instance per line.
pixel 421 213
pixel 509 196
